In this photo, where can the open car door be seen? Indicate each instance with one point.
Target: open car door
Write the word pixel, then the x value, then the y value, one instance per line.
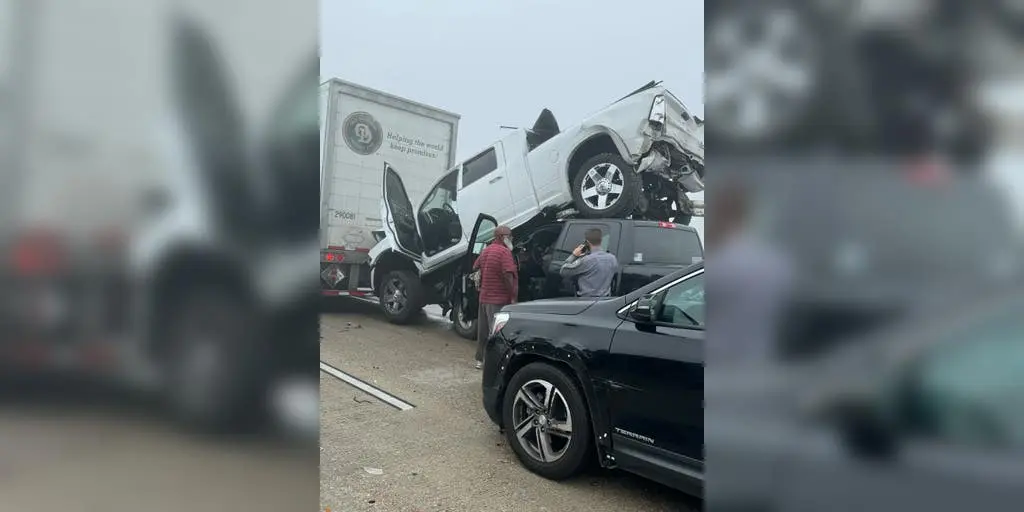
pixel 206 106
pixel 400 220
pixel 483 233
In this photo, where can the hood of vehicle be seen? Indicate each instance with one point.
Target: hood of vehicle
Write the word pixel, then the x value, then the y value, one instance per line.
pixel 565 306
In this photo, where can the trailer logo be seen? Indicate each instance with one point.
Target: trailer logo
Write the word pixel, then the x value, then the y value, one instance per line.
pixel 362 133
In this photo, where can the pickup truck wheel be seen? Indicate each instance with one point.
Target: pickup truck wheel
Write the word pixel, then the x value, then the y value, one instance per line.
pixel 215 362
pixel 776 45
pixel 606 186
pixel 465 328
pixel 401 296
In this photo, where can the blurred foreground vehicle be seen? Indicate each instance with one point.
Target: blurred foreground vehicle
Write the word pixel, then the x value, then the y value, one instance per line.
pixel 859 76
pixel 208 301
pixel 869 242
pixel 621 379
pixel 925 415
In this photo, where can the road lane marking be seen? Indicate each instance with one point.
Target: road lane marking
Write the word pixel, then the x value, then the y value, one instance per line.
pixel 365 387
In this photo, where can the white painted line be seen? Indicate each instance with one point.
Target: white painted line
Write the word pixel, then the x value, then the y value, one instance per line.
pixel 375 392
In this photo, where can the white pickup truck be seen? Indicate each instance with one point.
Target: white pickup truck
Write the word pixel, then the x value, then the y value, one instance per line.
pixel 638 157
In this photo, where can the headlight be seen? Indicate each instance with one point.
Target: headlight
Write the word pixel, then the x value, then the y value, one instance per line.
pixel 500 319
pixel 658 111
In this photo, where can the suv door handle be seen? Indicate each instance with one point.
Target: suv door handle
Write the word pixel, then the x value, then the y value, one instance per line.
pixel 495 180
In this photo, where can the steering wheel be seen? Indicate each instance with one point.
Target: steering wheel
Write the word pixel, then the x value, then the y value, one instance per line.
pixel 428 217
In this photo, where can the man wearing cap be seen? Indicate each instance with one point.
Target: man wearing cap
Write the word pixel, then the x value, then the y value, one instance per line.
pixel 499 284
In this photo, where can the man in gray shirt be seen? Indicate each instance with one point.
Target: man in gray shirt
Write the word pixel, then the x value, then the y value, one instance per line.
pixel 592 266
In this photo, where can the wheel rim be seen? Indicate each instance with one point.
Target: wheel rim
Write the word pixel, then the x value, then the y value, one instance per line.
pixel 764 70
pixel 199 379
pixel 542 421
pixel 465 325
pixel 602 186
pixel 394 296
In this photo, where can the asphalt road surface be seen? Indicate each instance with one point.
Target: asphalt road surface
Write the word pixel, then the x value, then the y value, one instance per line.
pixel 74 446
pixel 443 454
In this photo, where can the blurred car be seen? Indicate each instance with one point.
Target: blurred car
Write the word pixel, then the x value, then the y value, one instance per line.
pixel 207 301
pixel 924 415
pixel 870 243
pixel 621 379
pixel 861 76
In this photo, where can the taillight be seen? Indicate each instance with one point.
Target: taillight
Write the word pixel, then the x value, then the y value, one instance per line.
pixel 37 253
pixel 333 257
pixel 928 172
pixel 500 319
pixel 666 225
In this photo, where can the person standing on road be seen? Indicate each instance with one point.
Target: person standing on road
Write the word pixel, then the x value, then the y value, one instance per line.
pixel 593 267
pixel 499 285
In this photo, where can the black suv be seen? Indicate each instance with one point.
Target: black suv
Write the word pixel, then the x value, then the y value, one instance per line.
pixel 573 379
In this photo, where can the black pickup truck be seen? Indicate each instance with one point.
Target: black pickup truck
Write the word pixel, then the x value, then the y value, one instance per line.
pixel 647 251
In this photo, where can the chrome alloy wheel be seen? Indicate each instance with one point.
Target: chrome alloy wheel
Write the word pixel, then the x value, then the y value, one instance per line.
pixel 602 187
pixel 394 296
pixel 765 70
pixel 542 421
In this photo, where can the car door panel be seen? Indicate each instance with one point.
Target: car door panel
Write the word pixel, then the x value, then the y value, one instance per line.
pixel 923 477
pixel 656 389
pixel 484 188
pixel 400 219
pixel 482 233
pixel 520 178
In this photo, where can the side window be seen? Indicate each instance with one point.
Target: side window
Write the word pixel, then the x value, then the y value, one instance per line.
pixel 442 196
pixel 480 166
pixel 683 304
pixel 575 235
pixel 971 393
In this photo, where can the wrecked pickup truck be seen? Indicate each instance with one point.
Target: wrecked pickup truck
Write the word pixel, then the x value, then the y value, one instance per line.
pixel 638 158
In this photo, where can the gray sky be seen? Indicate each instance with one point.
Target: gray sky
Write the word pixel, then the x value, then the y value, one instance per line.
pixel 501 62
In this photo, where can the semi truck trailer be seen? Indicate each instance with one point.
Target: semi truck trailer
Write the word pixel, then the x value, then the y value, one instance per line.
pixel 360 129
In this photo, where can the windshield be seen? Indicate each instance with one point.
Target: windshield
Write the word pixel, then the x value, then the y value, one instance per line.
pixel 665 246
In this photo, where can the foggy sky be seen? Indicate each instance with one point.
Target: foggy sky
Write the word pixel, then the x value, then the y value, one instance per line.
pixel 501 62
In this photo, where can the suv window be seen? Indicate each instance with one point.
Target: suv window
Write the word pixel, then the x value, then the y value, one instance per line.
pixel 480 166
pixel 970 392
pixel 683 304
pixel 659 245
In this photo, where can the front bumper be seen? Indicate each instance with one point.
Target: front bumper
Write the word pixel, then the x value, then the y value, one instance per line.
pixel 67 321
pixel 496 357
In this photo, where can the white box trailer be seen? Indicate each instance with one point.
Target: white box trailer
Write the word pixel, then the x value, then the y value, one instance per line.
pixel 360 129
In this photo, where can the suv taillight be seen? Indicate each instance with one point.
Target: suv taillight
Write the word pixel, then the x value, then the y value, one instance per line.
pixel 666 225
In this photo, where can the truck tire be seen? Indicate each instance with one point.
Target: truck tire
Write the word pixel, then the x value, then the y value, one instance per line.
pixel 401 296
pixel 466 329
pixel 216 364
pixel 611 184
pixel 802 108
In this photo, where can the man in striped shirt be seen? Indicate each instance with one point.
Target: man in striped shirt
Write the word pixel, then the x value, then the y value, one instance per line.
pixel 499 284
